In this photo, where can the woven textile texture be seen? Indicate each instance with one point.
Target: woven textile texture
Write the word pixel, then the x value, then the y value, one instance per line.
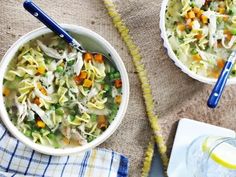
pixel 20 161
pixel 134 133
pixel 176 95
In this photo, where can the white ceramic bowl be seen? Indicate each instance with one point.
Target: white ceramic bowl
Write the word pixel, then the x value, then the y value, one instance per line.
pixel 91 41
pixel 172 55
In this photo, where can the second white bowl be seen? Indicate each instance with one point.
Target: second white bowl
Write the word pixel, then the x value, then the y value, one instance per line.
pixel 172 55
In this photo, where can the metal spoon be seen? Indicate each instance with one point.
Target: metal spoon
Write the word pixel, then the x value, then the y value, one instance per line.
pixel 220 84
pixel 32 8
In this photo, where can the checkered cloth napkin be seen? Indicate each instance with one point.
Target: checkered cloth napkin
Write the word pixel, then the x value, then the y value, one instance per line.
pixel 18 160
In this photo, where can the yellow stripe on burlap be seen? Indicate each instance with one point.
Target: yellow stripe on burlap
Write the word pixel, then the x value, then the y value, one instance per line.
pixel 137 59
pixel 148 159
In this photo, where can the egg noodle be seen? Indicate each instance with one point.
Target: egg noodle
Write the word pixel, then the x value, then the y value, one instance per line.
pixel 58 96
pixel 202 33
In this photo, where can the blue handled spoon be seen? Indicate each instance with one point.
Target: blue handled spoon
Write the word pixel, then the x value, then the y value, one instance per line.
pixel 220 84
pixel 32 8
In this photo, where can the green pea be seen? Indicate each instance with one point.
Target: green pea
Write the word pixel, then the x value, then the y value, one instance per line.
pixel 59 111
pixel 45 74
pixel 102 82
pixel 112 116
pixel 112 70
pixel 57 105
pixel 114 107
pixel 52 107
pixel 111 76
pixel 232 11
pixel 42 130
pixel 233 73
pixel 72 112
pixel 47 59
pixel 28 133
pixel 71 62
pixel 59 69
pixel 54 141
pixel 93 118
pixel 90 138
pixel 86 89
pixel 187 30
pixel 72 118
pixel 106 87
pixel 117 75
pixel 233 31
pixel 194 51
pixel 192 4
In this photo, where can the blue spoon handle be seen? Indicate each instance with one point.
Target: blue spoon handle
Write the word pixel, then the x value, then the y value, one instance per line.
pixel 51 24
pixel 220 84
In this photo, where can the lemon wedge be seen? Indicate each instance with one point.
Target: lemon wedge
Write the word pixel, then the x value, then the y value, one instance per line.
pixel 224 154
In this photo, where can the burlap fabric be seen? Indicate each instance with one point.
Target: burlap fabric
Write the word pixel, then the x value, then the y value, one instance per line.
pixel 133 135
pixel 176 95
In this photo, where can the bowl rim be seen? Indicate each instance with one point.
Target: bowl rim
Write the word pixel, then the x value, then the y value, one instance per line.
pixel 70 150
pixel 172 55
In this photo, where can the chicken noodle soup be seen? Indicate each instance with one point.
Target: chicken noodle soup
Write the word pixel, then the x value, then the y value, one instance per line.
pixel 58 96
pixel 202 33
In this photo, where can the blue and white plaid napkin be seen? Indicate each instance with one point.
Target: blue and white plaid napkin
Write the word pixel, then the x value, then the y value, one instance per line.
pixel 18 160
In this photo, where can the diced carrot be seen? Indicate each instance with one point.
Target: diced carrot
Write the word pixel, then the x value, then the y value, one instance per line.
pixel 191 14
pixel 88 57
pixel 226 18
pixel 78 80
pixel 40 123
pixel 87 83
pixel 215 74
pixel 6 91
pixel 228 34
pixel 66 140
pixel 199 13
pixel 226 31
pixel 43 91
pixel 83 74
pixel 118 99
pixel 181 27
pixel 186 16
pixel 41 70
pixel 102 122
pixel 189 23
pixel 220 63
pixel 196 10
pixel 199 36
pixel 204 19
pixel 221 10
pixel 37 100
pixel 118 83
pixel 98 58
pixel 197 57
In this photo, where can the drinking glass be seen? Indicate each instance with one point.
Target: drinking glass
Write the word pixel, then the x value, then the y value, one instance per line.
pixel 209 156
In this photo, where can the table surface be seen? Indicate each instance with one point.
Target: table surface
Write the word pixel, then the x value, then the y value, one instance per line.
pixel 156 169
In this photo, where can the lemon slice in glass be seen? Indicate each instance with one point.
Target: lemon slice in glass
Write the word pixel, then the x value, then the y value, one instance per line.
pixel 223 153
